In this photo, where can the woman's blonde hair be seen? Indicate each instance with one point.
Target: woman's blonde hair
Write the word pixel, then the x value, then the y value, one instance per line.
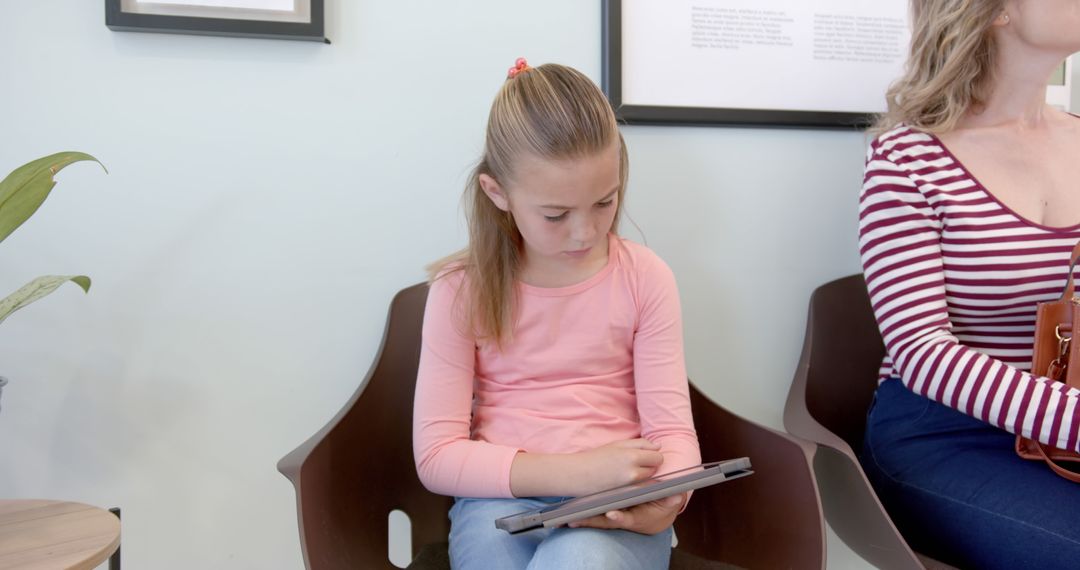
pixel 552 112
pixel 950 68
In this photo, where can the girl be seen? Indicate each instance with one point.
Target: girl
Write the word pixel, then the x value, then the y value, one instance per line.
pixel 970 208
pixel 552 357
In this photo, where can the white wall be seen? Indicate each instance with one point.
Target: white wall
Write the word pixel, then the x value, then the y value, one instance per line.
pixel 264 201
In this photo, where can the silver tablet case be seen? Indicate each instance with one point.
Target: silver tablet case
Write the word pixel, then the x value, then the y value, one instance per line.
pixel 582 507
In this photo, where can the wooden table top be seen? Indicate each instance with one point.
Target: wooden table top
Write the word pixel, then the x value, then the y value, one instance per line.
pixel 40 534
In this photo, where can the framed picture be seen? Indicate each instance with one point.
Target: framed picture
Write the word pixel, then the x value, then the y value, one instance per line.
pixel 807 63
pixel 276 19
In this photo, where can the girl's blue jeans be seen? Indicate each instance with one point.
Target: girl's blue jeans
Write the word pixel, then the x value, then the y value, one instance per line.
pixel 475 543
pixel 959 493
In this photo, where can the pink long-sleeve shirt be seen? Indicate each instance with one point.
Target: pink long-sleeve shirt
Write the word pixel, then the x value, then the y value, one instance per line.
pixel 588 364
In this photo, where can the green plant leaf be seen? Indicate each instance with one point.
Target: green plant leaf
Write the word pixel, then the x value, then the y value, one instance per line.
pixel 37 289
pixel 24 190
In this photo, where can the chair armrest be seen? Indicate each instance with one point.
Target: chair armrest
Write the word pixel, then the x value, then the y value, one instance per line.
pixel 745 521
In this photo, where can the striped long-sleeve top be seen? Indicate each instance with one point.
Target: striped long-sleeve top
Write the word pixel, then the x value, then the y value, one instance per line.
pixel 954 277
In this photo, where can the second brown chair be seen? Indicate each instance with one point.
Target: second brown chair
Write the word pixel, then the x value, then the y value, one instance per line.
pixel 359 468
pixel 827 404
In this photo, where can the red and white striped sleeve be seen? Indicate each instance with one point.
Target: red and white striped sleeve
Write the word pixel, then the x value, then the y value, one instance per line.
pixel 900 245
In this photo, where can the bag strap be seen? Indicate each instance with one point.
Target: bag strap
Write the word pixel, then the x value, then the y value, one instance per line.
pixel 1069 288
pixel 1070 475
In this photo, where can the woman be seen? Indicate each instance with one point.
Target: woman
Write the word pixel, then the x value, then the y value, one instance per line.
pixel 969 209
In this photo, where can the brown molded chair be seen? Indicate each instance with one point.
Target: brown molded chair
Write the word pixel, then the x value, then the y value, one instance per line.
pixel 827 404
pixel 359 467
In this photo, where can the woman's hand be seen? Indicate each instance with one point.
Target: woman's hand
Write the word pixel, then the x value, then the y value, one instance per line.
pixel 575 474
pixel 646 518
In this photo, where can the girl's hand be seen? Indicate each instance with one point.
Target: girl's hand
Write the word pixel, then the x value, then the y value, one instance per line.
pixel 574 474
pixel 616 464
pixel 646 518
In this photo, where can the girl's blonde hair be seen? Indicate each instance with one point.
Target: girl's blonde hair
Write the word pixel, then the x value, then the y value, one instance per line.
pixel 950 68
pixel 552 112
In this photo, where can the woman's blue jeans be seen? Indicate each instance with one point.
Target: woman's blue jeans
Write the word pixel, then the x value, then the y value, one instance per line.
pixel 475 543
pixel 959 493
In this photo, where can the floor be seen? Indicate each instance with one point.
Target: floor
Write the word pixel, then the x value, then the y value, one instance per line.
pixel 840 557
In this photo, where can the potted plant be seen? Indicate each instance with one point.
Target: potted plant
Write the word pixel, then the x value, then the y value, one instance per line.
pixel 21 193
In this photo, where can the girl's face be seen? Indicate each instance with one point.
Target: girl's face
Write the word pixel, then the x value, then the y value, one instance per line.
pixel 564 209
pixel 1051 25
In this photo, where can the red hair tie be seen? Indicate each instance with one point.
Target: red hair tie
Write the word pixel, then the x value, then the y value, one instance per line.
pixel 520 65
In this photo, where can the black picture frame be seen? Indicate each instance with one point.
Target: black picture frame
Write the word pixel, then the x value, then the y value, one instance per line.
pixel 117 19
pixel 611 82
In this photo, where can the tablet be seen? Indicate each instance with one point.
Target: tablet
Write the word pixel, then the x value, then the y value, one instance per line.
pixel 651 489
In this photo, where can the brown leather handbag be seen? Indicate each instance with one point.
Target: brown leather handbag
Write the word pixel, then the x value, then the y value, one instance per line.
pixel 1054 351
